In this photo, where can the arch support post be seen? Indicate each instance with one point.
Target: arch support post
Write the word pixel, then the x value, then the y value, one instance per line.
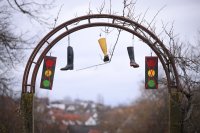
pixel 27 112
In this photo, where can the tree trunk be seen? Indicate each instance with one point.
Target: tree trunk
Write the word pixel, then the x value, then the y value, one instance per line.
pixel 175 113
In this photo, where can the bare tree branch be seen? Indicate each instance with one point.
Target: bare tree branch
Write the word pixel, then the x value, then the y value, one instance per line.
pixel 56 19
pixel 149 25
pixel 32 9
pixel 100 10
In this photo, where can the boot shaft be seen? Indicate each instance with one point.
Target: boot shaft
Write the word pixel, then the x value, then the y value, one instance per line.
pixel 70 55
pixel 131 53
pixel 132 57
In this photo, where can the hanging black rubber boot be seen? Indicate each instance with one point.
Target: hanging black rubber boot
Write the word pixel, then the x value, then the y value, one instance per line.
pixel 70 59
pixel 132 57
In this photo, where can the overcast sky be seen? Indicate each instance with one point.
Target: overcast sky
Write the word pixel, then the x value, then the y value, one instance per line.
pixel 117 82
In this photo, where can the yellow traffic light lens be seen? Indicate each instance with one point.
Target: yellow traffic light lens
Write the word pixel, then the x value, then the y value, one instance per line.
pixel 151 73
pixel 48 73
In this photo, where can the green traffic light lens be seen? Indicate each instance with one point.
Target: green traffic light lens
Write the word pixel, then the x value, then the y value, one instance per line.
pixel 46 83
pixel 151 83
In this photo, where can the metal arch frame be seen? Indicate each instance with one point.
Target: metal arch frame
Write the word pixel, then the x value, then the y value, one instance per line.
pixel 164 55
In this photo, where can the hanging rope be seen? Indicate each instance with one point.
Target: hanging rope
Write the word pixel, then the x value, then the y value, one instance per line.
pixel 111 54
pixel 151 51
pixel 68 40
pixel 133 40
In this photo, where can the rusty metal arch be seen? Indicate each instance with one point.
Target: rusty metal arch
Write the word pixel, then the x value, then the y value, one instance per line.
pixel 94 20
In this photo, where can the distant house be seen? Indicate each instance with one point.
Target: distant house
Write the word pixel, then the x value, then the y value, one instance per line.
pixel 82 129
pixel 60 116
pixel 91 121
pixel 58 105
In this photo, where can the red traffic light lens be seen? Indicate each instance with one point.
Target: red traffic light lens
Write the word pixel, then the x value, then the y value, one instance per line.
pixel 49 63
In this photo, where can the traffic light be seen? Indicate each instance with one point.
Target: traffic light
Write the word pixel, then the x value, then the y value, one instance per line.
pixel 151 72
pixel 48 72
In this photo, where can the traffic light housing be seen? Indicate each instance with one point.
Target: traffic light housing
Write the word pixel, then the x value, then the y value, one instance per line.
pixel 48 72
pixel 151 72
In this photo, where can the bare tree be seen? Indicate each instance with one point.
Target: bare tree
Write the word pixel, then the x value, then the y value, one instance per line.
pixel 148 114
pixel 12 44
pixel 186 55
pixel 187 59
pixel 12 47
